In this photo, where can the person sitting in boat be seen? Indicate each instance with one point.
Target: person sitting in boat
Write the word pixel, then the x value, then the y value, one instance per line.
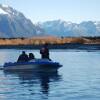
pixel 23 57
pixel 44 51
pixel 31 56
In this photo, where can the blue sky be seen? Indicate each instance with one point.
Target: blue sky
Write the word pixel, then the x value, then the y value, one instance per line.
pixel 68 10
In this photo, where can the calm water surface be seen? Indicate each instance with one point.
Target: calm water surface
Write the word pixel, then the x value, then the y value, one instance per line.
pixel 78 79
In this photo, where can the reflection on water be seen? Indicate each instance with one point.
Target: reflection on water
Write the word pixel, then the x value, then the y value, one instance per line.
pixel 30 78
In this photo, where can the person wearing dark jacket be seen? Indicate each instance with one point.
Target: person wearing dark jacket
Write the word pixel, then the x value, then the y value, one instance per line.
pixel 23 57
pixel 44 51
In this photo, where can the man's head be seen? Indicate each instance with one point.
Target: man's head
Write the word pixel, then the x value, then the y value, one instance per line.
pixel 46 45
pixel 23 52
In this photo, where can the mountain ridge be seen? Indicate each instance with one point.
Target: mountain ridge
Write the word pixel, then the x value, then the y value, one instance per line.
pixel 13 24
pixel 63 28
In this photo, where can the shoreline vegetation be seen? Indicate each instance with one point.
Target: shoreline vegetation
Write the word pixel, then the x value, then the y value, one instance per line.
pixel 53 42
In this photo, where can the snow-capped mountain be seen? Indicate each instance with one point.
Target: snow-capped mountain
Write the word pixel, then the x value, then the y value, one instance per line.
pixel 14 24
pixel 63 28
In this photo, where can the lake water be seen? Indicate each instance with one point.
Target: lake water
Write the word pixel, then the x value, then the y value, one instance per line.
pixel 78 79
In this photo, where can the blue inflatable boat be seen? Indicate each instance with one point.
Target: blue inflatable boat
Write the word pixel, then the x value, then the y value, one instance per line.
pixel 37 64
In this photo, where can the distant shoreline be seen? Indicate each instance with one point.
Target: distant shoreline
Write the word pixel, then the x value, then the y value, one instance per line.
pixel 81 43
pixel 55 46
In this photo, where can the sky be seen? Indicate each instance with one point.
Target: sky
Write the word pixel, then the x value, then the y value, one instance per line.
pixel 68 10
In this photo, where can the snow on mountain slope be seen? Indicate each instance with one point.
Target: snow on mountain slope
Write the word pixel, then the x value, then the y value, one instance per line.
pixel 63 28
pixel 14 24
pixel 2 11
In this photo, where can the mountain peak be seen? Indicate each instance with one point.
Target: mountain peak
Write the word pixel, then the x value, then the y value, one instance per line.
pixel 4 6
pixel 2 11
pixel 6 9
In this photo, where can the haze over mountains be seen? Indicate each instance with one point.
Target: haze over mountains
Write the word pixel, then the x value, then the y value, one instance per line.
pixel 14 24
